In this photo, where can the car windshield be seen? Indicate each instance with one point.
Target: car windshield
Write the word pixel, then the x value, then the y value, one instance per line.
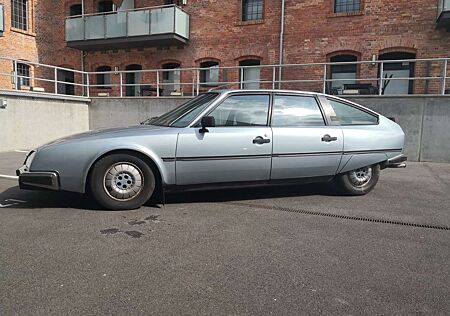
pixel 186 113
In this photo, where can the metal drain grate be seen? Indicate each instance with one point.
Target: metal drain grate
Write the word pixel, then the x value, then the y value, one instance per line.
pixel 353 218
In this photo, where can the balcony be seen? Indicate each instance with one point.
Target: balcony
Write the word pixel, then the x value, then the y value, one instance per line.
pixel 443 17
pixel 147 27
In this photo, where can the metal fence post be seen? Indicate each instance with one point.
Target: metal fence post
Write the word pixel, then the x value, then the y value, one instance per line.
pixel 380 90
pixel 274 74
pixel 56 80
pixel 241 70
pixel 16 76
pixel 121 84
pixel 87 85
pixel 198 81
pixel 157 83
pixel 325 78
pixel 444 77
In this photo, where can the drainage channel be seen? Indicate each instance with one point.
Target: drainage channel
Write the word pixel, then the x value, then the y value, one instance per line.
pixel 346 217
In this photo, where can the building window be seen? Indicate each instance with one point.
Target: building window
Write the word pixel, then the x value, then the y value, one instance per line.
pixel 400 69
pixel 209 75
pixel 347 6
pixel 171 78
pixel 106 6
pixel 342 75
pixel 252 10
pixel 133 78
pixel 23 74
pixel 103 79
pixel 19 16
pixel 250 75
pixel 76 9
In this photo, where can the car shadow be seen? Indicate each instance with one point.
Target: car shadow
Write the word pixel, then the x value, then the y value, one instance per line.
pixel 22 199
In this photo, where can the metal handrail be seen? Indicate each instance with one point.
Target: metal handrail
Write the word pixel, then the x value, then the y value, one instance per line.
pixel 196 86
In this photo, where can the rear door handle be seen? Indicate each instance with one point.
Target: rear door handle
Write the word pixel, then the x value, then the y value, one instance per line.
pixel 260 140
pixel 327 138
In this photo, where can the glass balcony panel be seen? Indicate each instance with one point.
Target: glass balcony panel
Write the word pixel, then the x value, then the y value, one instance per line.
pixel 138 23
pixel 181 23
pixel 116 25
pixel 162 20
pixel 95 27
pixel 75 29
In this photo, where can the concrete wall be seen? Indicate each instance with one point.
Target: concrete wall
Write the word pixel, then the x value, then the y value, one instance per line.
pixel 30 120
pixel 425 120
pixel 108 112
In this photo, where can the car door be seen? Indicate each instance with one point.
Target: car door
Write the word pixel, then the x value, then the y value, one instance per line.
pixel 303 144
pixel 238 148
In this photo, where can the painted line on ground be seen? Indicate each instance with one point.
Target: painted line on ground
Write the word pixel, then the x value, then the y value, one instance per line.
pixel 21 151
pixel 4 176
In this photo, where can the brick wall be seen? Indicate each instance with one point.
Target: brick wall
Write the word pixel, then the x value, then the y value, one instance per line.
pixel 313 33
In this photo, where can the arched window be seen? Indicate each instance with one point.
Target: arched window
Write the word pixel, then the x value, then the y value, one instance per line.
pixel 171 78
pixel 252 10
pixel 103 79
pixel 209 75
pixel 22 74
pixel 133 80
pixel 106 6
pixel 342 75
pixel 398 69
pixel 76 9
pixel 250 76
pixel 66 79
pixel 19 14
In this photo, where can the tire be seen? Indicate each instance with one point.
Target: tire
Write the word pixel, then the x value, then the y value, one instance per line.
pixel 121 182
pixel 357 182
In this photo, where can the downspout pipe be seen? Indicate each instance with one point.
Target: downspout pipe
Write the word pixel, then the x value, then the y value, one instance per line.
pixel 281 52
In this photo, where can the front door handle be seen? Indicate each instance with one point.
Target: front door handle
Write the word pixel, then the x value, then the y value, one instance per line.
pixel 327 138
pixel 260 140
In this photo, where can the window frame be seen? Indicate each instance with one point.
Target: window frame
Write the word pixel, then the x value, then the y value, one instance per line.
pixel 361 6
pixel 242 11
pixel 207 69
pixel 24 26
pixel 108 75
pixel 332 113
pixel 197 122
pixel 325 117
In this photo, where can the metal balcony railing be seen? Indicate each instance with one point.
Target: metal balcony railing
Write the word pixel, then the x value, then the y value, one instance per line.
pixel 122 27
pixel 443 13
pixel 380 77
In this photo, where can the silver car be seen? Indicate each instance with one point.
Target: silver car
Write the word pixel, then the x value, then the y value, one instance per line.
pixel 223 138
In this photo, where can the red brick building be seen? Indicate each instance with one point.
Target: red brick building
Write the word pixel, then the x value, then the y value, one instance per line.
pixel 211 33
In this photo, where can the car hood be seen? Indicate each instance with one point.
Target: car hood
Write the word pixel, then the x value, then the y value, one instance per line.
pixel 108 133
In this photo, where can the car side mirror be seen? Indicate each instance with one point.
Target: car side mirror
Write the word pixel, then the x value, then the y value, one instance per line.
pixel 207 121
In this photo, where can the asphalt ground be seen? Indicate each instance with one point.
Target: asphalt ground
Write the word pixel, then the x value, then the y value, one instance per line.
pixel 284 251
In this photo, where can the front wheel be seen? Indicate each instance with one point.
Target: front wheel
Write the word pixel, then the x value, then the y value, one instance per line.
pixel 357 182
pixel 122 182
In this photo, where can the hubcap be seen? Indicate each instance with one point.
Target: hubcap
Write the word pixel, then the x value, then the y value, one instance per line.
pixel 123 181
pixel 360 177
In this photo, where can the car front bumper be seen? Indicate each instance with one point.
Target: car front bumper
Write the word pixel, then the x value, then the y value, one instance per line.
pixel 30 180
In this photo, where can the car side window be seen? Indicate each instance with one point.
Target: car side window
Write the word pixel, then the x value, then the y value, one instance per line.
pixel 350 115
pixel 295 111
pixel 242 110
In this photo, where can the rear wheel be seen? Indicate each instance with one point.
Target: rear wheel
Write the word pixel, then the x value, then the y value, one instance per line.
pixel 358 182
pixel 122 182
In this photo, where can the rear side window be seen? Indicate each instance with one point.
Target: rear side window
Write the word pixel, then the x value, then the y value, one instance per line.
pixel 292 111
pixel 349 115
